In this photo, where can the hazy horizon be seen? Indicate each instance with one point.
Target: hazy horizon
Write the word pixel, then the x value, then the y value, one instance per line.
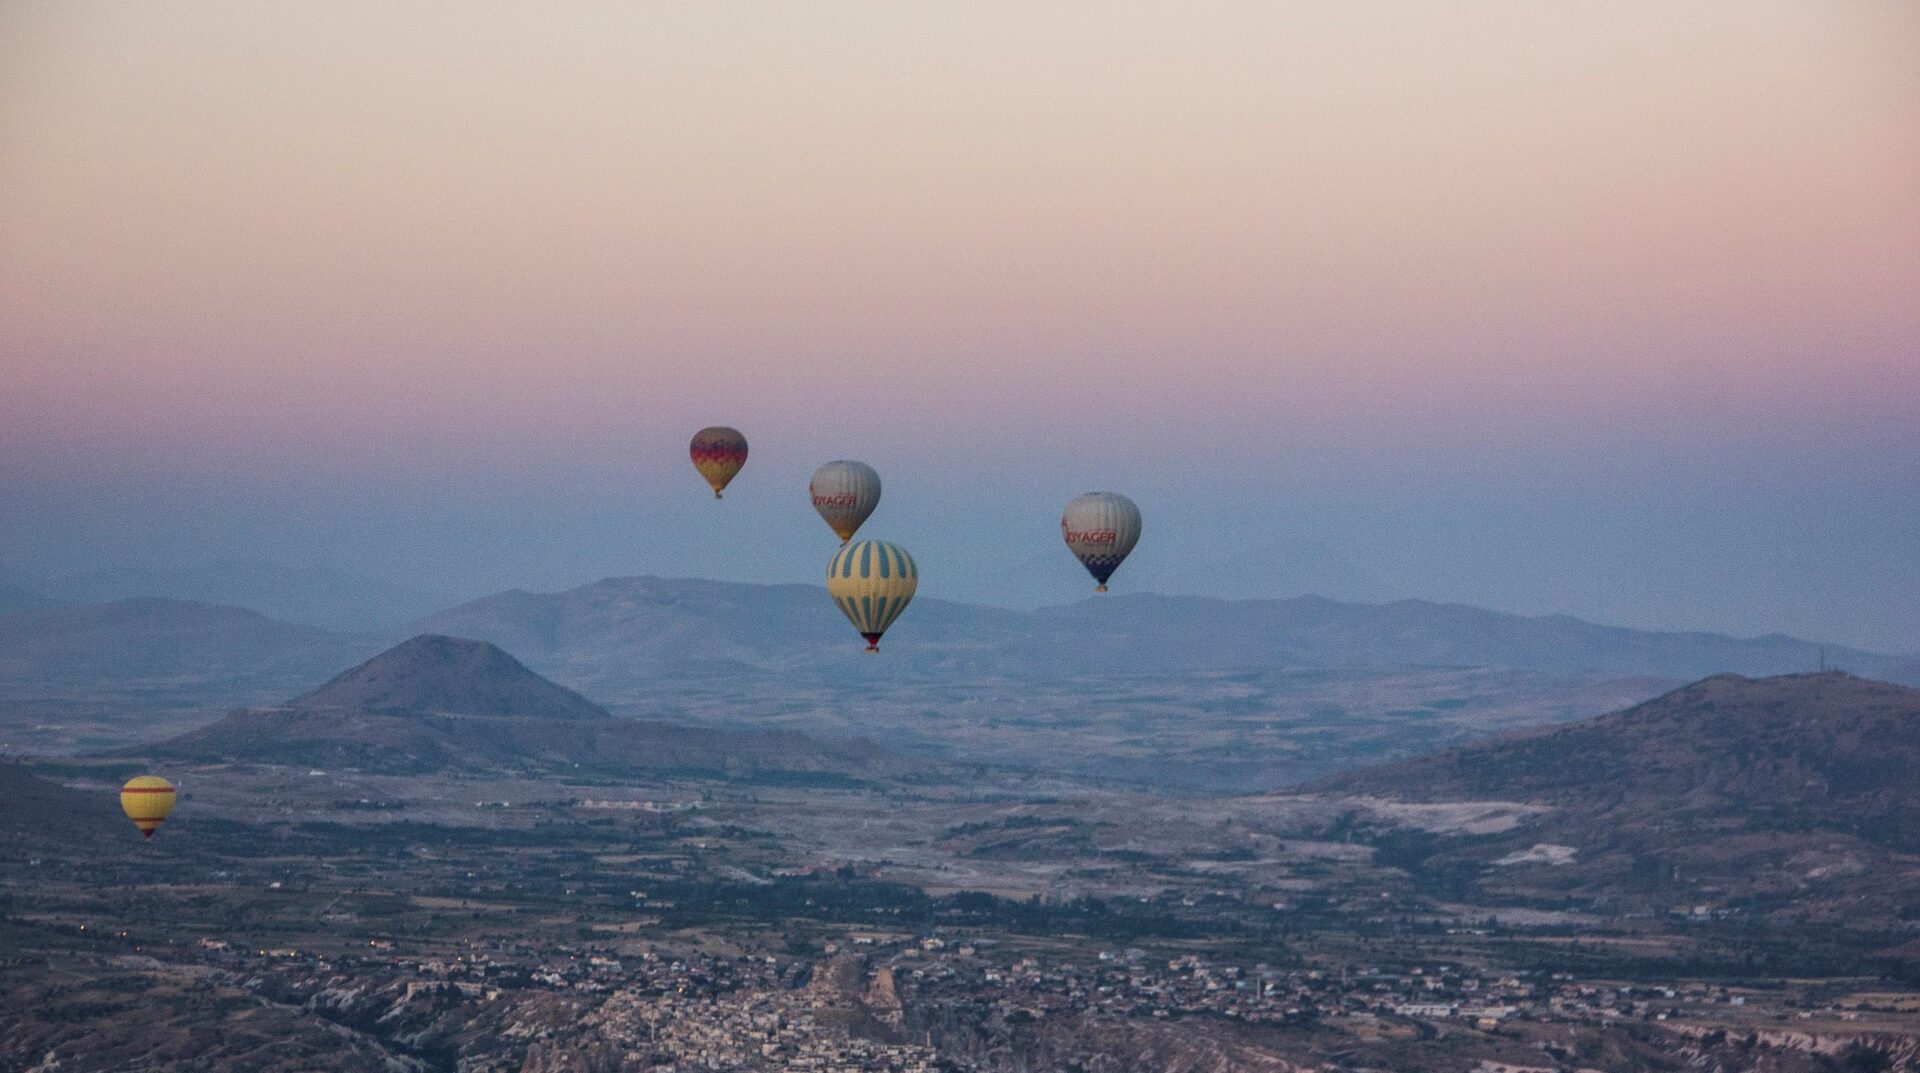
pixel 1597 310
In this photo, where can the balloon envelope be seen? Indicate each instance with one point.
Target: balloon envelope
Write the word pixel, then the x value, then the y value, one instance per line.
pixel 845 494
pixel 872 581
pixel 147 800
pixel 718 453
pixel 1100 528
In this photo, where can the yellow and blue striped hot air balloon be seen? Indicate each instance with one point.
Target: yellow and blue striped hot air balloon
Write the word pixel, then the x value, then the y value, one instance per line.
pixel 872 581
pixel 147 800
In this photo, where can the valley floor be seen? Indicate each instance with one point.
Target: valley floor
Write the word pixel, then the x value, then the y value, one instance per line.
pixel 291 920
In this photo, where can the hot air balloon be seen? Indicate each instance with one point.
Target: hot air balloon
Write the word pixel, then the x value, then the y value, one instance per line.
pixel 872 581
pixel 718 453
pixel 147 799
pixel 1100 529
pixel 845 493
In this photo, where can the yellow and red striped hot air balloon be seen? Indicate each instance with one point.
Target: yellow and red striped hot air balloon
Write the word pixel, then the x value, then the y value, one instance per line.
pixel 718 453
pixel 871 581
pixel 147 800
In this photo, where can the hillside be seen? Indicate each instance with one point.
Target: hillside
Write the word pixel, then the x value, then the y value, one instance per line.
pixel 445 704
pixel 421 743
pixel 436 673
pixel 39 809
pixel 1801 750
pixel 1751 788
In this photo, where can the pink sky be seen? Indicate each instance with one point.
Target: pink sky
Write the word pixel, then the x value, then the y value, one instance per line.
pixel 1339 221
pixel 1563 244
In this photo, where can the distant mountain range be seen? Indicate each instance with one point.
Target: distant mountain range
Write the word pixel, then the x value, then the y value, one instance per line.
pixel 1748 791
pixel 1315 632
pixel 21 594
pixel 306 595
pixel 621 637
pixel 435 703
pixel 614 635
pixel 1279 570
pixel 84 646
pixel 20 598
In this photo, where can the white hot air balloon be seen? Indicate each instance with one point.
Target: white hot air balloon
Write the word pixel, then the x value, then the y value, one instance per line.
pixel 1100 528
pixel 845 493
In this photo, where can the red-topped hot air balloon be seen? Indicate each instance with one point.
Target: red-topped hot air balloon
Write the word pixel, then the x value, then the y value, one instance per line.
pixel 718 453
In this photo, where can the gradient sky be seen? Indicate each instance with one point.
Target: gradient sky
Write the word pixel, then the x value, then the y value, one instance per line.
pixel 1605 308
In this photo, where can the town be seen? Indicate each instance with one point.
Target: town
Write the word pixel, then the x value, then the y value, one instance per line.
pixel 896 1002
